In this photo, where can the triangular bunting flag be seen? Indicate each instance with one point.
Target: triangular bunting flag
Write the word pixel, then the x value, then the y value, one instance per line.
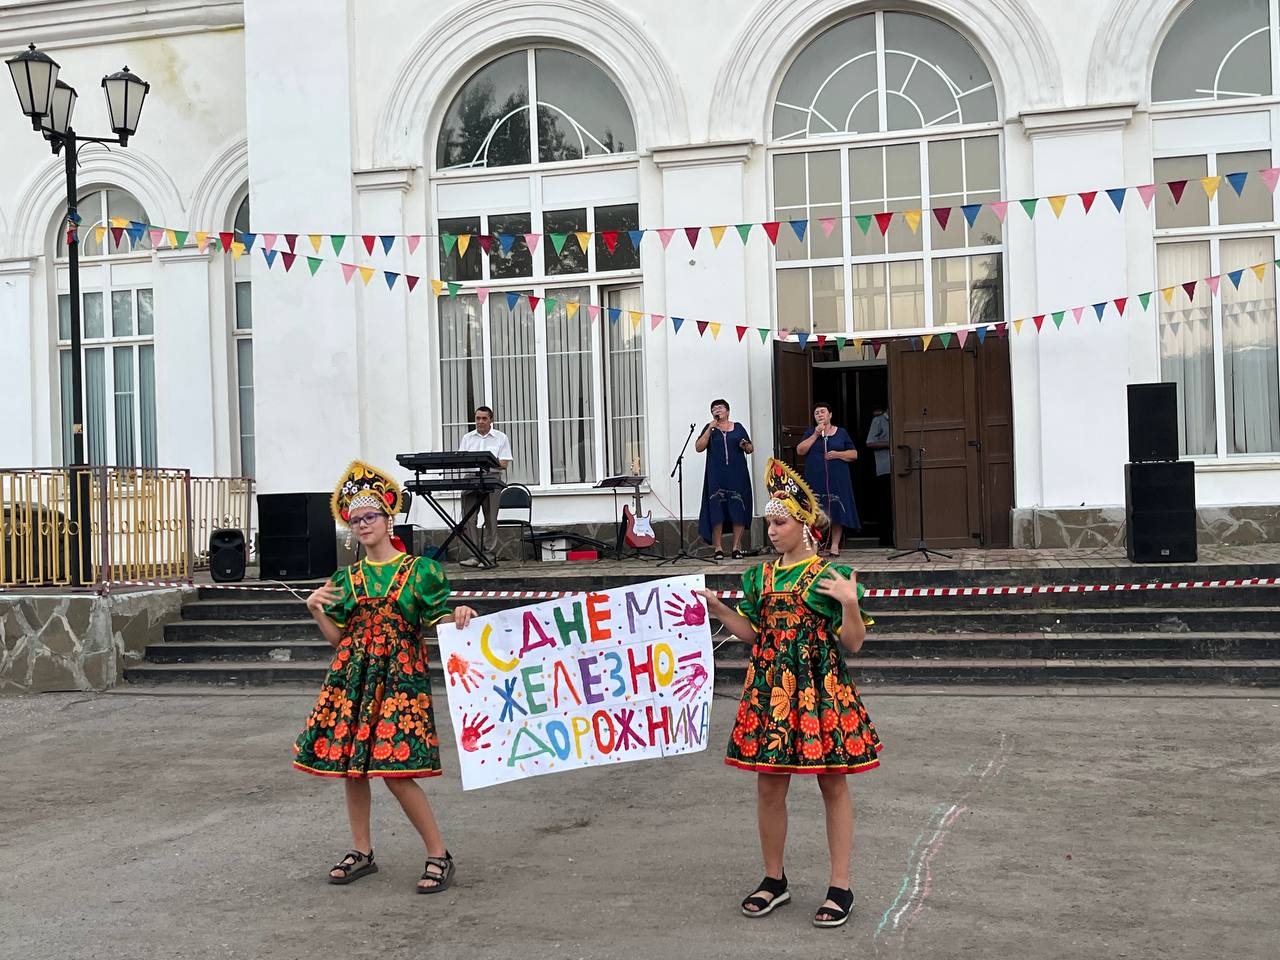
pixel 946 340
pixel 366 274
pixel 464 243
pixel 390 278
pixel 1259 270
pixel 742 332
pixel 288 259
pixel 1099 309
pixel 764 334
pixel 971 211
pixel 691 234
pixel 482 294
pixel 982 334
pixel 1029 207
pixel 1117 195
pixel 512 299
pixel 227 239
pixel 337 241
pixel 1057 320
pixel 448 241
pixel 178 238
pixel 913 219
pixel 803 337
pixel 883 220
pixel 349 271
pixel 1234 276
pixel 828 224
pixel 1189 288
pixel 533 302
pixel 1087 198
pixel 717 234
pixel 864 222
pixel 411 280
pixel 237 250
pixel 1038 320
pixel 290 241
pixel 156 235
pixel 1076 312
pixel 677 323
pixel 316 239
pixel 635 236
pixel 635 319
pixel 928 339
pixel 571 308
pixel 610 238
pixel 313 264
pixel 1120 304
pixel 558 242
pixel 942 215
pixel 1213 284
pixel 1167 293
pixel 744 230
pixel 369 240
pixel 508 240
pixel 1000 208
pixel 1237 182
pixel 1147 191
pixel 614 314
pixel 822 341
pixel 771 230
pixel 100 234
pixel 531 241
pixel 655 321
pixel 1002 329
pixel 117 235
pixel 962 335
pixel 413 240
pixel 715 331
pixel 1057 202
pixel 841 341
pixel 1017 326
pixel 799 226
pixel 202 240
pixel 1210 185
pixel 1269 177
pixel 702 327
pixel 549 305
pixel 1176 187
pixel 387 243
pixel 247 239
pixel 584 240
pixel 1145 300
pixel 268 240
pixel 486 243
pixel 665 235
pixel 593 311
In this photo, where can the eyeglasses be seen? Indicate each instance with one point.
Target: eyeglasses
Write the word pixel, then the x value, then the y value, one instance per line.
pixel 364 519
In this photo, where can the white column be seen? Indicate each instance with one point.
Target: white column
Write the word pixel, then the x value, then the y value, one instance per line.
pixel 388 398
pixel 18 362
pixel 701 185
pixel 305 339
pixel 185 398
pixel 1080 260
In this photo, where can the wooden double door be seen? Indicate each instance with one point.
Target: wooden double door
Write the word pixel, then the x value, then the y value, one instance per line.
pixel 951 425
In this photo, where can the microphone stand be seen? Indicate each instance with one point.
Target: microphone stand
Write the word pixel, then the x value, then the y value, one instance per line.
pixel 921 547
pixel 678 472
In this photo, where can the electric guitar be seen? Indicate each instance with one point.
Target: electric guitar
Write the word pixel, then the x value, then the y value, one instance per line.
pixel 638 532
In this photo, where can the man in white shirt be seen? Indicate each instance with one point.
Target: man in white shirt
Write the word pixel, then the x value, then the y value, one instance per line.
pixel 878 441
pixel 484 437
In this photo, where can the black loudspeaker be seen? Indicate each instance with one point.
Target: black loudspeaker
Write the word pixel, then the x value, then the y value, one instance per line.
pixel 1160 512
pixel 227 556
pixel 1153 422
pixel 297 538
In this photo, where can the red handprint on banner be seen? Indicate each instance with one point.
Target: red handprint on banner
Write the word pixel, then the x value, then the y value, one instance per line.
pixel 463 671
pixel 684 613
pixel 693 677
pixel 473 731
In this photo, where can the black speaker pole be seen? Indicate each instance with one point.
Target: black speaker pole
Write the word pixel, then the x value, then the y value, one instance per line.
pixel 921 547
pixel 678 472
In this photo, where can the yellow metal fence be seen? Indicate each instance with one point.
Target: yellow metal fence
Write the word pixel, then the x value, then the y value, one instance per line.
pixel 142 523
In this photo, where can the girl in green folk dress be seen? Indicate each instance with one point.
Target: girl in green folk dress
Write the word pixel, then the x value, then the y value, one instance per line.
pixel 800 711
pixel 374 715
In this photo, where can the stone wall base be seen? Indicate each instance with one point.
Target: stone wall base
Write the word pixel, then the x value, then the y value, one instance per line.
pixel 1100 527
pixel 52 642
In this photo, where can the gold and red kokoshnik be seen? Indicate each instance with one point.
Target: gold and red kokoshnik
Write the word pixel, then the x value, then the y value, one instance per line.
pixel 374 716
pixel 800 711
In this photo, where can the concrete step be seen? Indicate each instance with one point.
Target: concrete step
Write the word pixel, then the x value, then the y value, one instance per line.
pixel 867 670
pixel 233 649
pixel 235 608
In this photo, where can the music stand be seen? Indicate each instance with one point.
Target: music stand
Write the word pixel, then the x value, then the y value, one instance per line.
pixel 921 546
pixel 678 472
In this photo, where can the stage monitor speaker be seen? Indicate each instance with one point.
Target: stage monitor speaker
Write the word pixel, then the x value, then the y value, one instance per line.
pixel 1160 512
pixel 227 556
pixel 1153 422
pixel 297 537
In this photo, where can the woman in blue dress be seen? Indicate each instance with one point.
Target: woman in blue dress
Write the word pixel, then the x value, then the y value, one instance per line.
pixel 726 488
pixel 828 450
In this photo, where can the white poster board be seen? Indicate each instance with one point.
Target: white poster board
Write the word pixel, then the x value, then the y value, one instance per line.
pixel 586 680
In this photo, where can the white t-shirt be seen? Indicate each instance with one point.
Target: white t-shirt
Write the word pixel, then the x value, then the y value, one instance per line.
pixel 495 441
pixel 879 433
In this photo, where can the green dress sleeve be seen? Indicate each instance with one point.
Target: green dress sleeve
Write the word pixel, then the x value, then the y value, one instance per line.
pixel 340 609
pixel 829 607
pixel 751 585
pixel 429 593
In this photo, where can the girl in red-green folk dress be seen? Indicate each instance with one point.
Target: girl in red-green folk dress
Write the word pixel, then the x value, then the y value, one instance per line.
pixel 374 716
pixel 800 711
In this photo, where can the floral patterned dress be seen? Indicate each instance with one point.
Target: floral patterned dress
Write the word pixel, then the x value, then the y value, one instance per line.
pixel 374 717
pixel 800 711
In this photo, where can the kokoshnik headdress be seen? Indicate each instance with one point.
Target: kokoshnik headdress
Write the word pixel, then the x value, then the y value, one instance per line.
pixel 364 486
pixel 790 496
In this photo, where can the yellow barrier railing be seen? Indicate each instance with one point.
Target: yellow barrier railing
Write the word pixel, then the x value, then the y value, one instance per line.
pixel 143 523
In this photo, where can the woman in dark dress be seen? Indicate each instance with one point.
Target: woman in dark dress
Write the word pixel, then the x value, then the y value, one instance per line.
pixel 828 450
pixel 726 488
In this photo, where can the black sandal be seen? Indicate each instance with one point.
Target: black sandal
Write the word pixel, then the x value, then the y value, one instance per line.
pixel 776 888
pixel 718 555
pixel 738 554
pixel 838 915
pixel 443 879
pixel 353 866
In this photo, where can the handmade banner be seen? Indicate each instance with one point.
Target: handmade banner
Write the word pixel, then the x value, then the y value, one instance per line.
pixel 586 680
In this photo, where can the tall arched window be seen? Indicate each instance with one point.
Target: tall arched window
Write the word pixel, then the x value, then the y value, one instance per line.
pixel 242 340
pixel 887 112
pixel 118 331
pixel 566 384
pixel 1215 64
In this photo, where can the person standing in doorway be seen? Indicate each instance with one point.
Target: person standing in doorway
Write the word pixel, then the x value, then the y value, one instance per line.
pixel 485 437
pixel 878 441
pixel 726 487
pixel 828 450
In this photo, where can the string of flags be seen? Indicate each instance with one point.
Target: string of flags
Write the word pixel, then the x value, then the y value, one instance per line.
pixel 612 239
pixel 1103 309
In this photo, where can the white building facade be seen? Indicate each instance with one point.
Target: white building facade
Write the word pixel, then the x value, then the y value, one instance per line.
pixel 498 119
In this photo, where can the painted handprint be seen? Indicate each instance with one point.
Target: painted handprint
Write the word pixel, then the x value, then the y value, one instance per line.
pixel 690 613
pixel 693 676
pixel 462 671
pixel 473 731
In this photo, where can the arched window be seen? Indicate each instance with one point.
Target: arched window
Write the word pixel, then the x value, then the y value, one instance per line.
pixel 1216 50
pixel 923 87
pixel 118 330
pixel 566 383
pixel 1220 350
pixel 242 339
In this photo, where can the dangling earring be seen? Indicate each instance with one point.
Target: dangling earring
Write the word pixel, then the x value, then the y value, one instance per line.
pixel 808 538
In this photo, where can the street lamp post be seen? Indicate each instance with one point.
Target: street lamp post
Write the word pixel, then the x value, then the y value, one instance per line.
pixel 49 103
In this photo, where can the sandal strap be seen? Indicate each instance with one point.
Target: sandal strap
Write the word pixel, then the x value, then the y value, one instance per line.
pixel 772 885
pixel 351 861
pixel 443 864
pixel 842 897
